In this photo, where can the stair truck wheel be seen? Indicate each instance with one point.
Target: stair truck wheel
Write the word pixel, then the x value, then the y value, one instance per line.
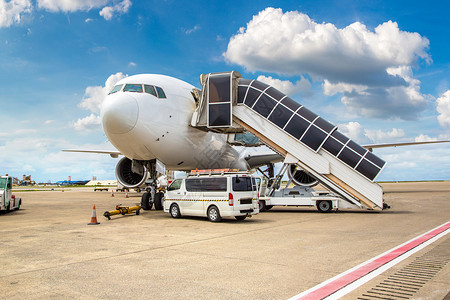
pixel 324 206
pixel 262 205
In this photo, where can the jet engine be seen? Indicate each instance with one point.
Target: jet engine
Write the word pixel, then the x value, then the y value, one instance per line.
pixel 301 177
pixel 131 173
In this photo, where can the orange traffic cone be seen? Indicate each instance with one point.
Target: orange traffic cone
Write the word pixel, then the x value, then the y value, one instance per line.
pixel 112 193
pixel 126 194
pixel 94 217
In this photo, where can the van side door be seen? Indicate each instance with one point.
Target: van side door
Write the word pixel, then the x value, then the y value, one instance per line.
pixel 215 192
pixel 193 202
pixel 244 192
pixel 175 193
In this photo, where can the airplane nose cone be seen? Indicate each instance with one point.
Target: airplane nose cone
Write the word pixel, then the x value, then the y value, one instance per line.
pixel 120 113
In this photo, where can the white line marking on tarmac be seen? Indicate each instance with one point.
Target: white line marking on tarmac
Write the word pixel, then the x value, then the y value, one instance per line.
pixel 350 280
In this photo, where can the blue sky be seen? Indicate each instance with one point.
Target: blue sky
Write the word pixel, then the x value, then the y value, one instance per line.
pixel 377 69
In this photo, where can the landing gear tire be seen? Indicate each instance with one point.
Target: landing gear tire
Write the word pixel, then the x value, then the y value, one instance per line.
pixel 214 214
pixel 262 206
pixel 175 211
pixel 146 202
pixel 241 218
pixel 324 206
pixel 159 201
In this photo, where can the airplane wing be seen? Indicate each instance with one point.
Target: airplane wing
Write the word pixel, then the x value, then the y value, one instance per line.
pixel 258 160
pixel 374 146
pixel 113 154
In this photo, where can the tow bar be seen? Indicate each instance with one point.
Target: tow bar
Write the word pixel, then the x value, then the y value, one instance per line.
pixel 123 210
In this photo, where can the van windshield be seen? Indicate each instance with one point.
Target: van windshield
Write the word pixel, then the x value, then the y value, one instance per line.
pixel 175 185
pixel 2 183
pixel 242 184
pixel 217 184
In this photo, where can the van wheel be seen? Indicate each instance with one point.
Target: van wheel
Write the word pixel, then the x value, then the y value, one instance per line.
pixel 146 204
pixel 268 207
pixel 262 206
pixel 158 201
pixel 175 211
pixel 324 206
pixel 214 214
pixel 241 218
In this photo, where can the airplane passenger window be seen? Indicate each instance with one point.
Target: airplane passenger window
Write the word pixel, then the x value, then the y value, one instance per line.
pixel 150 89
pixel 137 88
pixel 160 91
pixel 116 88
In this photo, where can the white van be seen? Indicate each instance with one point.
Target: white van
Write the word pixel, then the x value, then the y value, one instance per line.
pixel 213 196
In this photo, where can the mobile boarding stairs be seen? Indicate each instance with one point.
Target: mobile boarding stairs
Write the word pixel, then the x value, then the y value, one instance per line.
pixel 231 104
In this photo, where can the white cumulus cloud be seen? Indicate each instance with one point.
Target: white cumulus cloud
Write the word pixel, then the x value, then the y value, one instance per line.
pixel 89 123
pixel 356 132
pixel 12 11
pixel 119 8
pixel 443 108
pixel 109 8
pixel 302 86
pixel 371 68
pixel 191 30
pixel 380 136
pixel 70 5
pixel 292 43
pixel 92 101
pixel 94 95
pixel 424 138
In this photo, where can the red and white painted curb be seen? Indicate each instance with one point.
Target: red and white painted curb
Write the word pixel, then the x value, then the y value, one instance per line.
pixel 348 281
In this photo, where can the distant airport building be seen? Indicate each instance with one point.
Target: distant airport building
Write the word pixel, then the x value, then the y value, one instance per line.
pixel 71 182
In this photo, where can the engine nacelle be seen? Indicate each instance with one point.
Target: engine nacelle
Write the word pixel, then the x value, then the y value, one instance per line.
pixel 301 177
pixel 131 174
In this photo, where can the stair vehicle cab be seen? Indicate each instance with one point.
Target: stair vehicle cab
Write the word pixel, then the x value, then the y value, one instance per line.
pixel 214 194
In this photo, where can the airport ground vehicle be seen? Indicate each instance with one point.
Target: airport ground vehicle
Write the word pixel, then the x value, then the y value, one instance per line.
pixel 304 196
pixel 7 200
pixel 213 195
pixel 325 201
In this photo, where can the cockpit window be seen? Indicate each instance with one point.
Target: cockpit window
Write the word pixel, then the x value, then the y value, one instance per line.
pixel 137 88
pixel 160 91
pixel 116 88
pixel 150 89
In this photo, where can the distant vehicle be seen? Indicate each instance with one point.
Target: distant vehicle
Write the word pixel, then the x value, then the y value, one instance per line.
pixel 8 201
pixel 100 188
pixel 213 195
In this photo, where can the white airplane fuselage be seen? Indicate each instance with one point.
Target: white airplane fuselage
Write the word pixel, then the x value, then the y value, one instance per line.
pixel 143 127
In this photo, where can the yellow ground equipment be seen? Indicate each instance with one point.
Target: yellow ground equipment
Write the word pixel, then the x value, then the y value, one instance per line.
pixel 122 210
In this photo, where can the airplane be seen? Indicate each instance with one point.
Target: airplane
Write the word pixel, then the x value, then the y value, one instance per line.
pixel 147 117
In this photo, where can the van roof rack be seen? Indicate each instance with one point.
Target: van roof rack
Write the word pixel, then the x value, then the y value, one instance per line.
pixel 198 172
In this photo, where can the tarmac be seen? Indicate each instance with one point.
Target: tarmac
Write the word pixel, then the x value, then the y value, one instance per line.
pixel 48 250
